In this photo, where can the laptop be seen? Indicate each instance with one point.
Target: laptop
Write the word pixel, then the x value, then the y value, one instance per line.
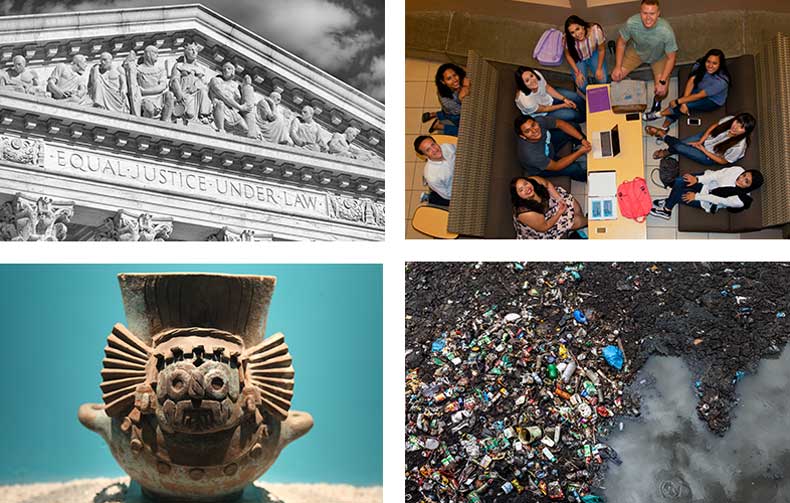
pixel 606 143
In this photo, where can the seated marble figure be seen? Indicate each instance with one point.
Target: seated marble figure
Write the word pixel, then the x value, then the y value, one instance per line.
pixel 19 78
pixel 67 81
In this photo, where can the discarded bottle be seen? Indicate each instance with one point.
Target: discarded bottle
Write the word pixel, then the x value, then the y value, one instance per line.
pixel 579 316
pixel 568 372
pixel 552 371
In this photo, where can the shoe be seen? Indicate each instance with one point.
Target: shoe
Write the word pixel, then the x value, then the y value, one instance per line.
pixel 434 126
pixel 656 105
pixel 660 203
pixel 426 116
pixel 650 116
pixel 661 213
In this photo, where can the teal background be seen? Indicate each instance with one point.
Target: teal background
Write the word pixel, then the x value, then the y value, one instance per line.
pixel 54 320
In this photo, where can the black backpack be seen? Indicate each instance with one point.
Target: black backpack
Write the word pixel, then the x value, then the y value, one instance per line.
pixel 668 170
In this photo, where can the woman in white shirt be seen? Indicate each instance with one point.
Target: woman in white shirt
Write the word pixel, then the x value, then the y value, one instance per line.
pixel 711 191
pixel 536 97
pixel 722 143
pixel 585 52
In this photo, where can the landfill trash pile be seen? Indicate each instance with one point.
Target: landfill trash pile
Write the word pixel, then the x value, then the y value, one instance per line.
pixel 516 372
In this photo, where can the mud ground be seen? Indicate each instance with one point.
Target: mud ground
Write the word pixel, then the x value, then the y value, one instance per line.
pixel 720 318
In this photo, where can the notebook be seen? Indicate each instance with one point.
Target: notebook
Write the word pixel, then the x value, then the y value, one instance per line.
pixel 598 99
pixel 601 195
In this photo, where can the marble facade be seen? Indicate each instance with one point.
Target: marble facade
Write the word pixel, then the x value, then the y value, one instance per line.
pixel 176 124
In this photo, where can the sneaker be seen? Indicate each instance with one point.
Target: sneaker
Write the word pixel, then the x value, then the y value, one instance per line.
pixel 659 203
pixel 661 213
pixel 650 116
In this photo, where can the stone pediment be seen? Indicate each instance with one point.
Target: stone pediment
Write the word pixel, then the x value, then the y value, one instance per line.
pixel 333 160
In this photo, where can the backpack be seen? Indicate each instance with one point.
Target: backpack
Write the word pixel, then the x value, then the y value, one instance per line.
pixel 633 199
pixel 549 49
pixel 668 170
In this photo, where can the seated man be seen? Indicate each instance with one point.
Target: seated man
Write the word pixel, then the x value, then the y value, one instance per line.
pixel 652 42
pixel 539 140
pixel 438 172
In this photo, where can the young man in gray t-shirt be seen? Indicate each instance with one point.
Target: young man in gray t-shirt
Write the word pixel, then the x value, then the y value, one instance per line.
pixel 652 42
pixel 539 139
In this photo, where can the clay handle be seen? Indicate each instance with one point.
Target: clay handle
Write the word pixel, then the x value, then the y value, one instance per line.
pixel 93 417
pixel 295 425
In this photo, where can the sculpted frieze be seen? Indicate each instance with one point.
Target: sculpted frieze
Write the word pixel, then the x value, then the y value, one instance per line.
pixel 226 234
pixel 27 218
pixel 184 90
pixel 125 226
pixel 21 151
pixel 364 210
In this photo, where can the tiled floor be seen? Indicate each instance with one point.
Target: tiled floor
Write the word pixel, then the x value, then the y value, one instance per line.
pixel 421 97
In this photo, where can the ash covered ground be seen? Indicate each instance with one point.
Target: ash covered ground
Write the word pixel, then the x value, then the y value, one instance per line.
pixel 720 318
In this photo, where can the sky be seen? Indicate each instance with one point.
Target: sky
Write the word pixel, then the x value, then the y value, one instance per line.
pixel 342 37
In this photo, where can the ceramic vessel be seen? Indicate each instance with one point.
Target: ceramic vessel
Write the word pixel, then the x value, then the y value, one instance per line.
pixel 196 401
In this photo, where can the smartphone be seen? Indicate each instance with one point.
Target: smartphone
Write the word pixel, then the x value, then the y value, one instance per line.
pixel 694 121
pixel 632 117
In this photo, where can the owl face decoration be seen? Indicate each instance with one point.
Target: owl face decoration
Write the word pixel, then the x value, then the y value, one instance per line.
pixel 198 405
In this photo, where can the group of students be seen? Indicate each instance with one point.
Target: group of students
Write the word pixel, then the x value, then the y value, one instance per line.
pixel 550 118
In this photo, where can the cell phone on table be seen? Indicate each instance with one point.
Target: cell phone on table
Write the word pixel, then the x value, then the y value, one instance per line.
pixel 694 121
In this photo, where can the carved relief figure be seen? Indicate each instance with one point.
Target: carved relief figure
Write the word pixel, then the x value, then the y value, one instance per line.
pixel 306 132
pixel 148 82
pixel 362 210
pixel 19 78
pixel 230 109
pixel 189 89
pixel 273 119
pixel 67 81
pixel 23 219
pixel 341 144
pixel 107 86
pixel 196 401
pixel 124 226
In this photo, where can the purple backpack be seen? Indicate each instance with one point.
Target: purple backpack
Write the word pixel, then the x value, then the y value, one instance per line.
pixel 549 49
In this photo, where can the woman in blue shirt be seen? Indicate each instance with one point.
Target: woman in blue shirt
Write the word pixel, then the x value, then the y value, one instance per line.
pixel 706 89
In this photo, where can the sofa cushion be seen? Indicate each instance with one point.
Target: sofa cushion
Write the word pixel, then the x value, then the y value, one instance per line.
pixel 506 165
pixel 741 98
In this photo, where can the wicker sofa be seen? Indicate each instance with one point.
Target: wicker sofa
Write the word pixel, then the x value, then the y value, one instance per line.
pixel 486 159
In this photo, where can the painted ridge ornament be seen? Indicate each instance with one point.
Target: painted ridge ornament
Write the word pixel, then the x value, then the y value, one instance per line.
pixel 196 401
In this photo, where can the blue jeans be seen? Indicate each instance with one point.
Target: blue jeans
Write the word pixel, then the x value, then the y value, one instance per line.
pixel 704 105
pixel 579 116
pixel 588 67
pixel 683 148
pixel 450 122
pixel 679 188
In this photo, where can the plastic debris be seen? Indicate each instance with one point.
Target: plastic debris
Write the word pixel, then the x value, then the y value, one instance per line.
pixel 613 356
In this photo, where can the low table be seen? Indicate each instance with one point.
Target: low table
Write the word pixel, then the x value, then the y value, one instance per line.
pixel 628 165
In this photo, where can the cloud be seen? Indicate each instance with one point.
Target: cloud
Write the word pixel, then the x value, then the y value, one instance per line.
pixel 323 32
pixel 372 81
